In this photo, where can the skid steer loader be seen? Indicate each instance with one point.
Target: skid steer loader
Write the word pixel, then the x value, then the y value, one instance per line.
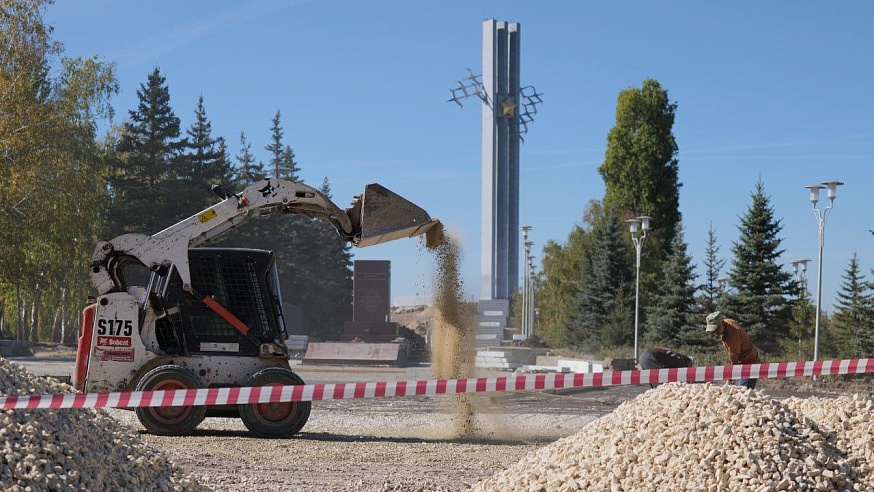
pixel 172 314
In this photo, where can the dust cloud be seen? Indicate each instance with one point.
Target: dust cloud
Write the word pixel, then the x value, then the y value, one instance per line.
pixel 452 349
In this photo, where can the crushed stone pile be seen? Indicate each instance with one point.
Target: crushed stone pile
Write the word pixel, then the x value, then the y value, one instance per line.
pixel 703 437
pixel 848 422
pixel 74 449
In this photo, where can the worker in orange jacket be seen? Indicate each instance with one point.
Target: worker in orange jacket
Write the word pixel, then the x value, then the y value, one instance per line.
pixel 736 341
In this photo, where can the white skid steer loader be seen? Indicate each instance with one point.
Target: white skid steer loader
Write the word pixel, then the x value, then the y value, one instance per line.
pixel 173 315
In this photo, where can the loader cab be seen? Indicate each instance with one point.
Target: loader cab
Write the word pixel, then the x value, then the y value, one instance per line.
pixel 245 281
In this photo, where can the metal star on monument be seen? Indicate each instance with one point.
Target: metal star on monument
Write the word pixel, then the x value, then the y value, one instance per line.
pixel 508 108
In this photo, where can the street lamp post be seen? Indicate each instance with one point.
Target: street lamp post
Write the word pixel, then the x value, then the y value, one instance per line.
pixel 526 293
pixel 639 224
pixel 821 216
pixel 801 277
pixel 527 244
pixel 531 295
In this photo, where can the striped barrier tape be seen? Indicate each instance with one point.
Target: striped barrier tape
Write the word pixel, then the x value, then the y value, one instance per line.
pixel 346 391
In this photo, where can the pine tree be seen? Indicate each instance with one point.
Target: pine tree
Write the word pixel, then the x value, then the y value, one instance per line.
pixel 247 171
pixel 865 335
pixel 334 289
pixel 799 344
pixel 759 301
pixel 224 163
pixel 143 164
pixel 281 164
pixel 708 299
pixel 275 147
pixel 671 318
pixel 602 314
pixel 289 169
pixel 853 312
pixel 202 165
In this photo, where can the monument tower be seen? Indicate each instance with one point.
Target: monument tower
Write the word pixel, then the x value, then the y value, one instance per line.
pixel 499 266
pixel 506 111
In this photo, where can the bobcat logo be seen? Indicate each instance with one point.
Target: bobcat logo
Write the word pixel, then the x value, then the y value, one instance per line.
pixel 267 190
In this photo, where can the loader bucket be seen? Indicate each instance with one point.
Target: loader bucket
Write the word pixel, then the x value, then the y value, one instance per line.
pixel 379 216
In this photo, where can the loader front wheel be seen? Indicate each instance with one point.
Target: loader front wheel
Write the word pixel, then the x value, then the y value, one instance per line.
pixel 169 421
pixel 275 420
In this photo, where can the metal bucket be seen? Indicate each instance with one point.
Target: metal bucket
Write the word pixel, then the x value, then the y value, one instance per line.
pixel 380 215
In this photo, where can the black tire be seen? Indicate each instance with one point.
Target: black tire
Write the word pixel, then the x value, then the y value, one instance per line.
pixel 169 421
pixel 275 420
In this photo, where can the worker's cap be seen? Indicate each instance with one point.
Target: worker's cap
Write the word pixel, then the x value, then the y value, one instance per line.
pixel 713 320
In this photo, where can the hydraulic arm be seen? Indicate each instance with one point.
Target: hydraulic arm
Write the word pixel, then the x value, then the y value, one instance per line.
pixel 376 216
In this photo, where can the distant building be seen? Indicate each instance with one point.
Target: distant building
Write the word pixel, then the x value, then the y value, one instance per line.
pixel 410 301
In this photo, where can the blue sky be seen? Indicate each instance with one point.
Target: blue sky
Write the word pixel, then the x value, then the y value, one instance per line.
pixel 778 91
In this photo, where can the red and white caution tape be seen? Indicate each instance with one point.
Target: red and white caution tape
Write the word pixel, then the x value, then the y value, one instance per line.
pixel 346 391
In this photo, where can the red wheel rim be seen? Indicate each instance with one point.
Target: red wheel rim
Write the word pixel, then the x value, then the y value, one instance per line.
pixel 275 412
pixel 170 415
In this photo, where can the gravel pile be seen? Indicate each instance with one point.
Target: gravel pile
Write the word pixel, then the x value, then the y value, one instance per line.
pixel 847 421
pixel 705 437
pixel 74 449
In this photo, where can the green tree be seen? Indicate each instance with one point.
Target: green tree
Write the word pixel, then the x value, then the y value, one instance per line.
pixel 248 170
pixel 710 291
pixel 759 301
pixel 800 341
pixel 281 164
pixel 671 318
pixel 331 296
pixel 853 313
pixel 602 316
pixel 203 164
pixel 561 278
pixel 865 335
pixel 50 203
pixel 146 155
pixel 640 169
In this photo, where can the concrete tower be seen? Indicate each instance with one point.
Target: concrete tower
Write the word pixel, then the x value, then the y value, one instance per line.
pixel 500 160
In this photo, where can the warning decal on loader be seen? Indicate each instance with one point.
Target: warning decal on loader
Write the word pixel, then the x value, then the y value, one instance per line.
pixel 115 354
pixel 206 216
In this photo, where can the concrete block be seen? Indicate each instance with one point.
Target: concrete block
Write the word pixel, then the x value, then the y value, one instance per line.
pixel 297 343
pixel 356 353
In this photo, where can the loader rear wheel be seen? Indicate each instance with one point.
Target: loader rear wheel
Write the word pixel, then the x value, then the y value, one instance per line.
pixel 169 421
pixel 275 420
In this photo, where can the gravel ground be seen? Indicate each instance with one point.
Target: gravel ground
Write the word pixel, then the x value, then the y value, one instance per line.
pixel 402 444
pixel 388 444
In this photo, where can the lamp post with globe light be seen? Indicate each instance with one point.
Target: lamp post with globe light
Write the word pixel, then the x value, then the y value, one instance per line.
pixel 801 278
pixel 821 215
pixel 638 225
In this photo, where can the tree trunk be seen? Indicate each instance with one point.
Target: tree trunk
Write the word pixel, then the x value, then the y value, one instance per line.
pixel 2 312
pixel 34 316
pixel 19 314
pixel 56 327
pixel 68 336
